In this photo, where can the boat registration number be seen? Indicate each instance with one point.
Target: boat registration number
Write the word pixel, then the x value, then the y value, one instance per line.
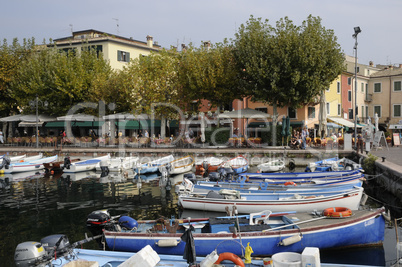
pixel 369 222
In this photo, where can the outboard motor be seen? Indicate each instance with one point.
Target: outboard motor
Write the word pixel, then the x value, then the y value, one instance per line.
pixel 229 173
pixel 31 254
pixel 97 221
pixel 214 177
pixel 56 245
pixel 67 162
pixel 5 163
pixel 104 166
pixel 222 173
pixel 190 176
pixel 205 165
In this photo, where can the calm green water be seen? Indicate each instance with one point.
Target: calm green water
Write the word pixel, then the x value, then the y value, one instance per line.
pixel 33 206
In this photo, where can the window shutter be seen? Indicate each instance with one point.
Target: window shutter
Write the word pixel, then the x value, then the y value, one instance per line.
pixel 127 56
pixel 118 55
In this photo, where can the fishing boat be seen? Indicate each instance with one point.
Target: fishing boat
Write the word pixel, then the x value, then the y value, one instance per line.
pixel 84 165
pixel 118 164
pixel 5 160
pixel 58 166
pixel 296 176
pixel 272 166
pixel 266 232
pixel 279 201
pixel 238 164
pixel 56 250
pixel 200 187
pixel 153 166
pixel 181 165
pixel 33 165
pixel 332 164
pixel 207 165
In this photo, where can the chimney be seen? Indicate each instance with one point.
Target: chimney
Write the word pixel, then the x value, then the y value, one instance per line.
pixel 371 63
pixel 207 45
pixel 150 41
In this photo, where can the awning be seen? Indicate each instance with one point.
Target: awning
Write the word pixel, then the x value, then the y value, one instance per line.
pixel 395 126
pixel 343 122
pixel 258 124
pixel 88 124
pixel 334 125
pixel 29 124
pixel 57 124
pixel 130 125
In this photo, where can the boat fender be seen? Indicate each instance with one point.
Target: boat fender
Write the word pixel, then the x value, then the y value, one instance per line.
pixel 167 243
pixel 230 257
pixel 291 240
pixel 128 222
pixel 337 212
pixel 290 183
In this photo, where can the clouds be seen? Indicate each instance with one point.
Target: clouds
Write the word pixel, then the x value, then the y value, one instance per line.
pixel 182 21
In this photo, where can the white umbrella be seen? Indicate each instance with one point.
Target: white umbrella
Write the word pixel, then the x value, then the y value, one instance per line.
pixel 78 117
pixel 126 116
pixel 41 118
pixel 246 113
pixel 323 115
pixel 202 129
pixel 12 118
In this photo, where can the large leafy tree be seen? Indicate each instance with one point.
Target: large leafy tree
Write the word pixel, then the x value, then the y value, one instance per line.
pixel 287 65
pixel 63 79
pixel 11 57
pixel 209 73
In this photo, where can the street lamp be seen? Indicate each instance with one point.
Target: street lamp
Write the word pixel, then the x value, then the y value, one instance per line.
pixel 35 103
pixel 357 31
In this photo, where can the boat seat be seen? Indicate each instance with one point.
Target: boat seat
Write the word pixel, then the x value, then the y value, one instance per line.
pixel 259 220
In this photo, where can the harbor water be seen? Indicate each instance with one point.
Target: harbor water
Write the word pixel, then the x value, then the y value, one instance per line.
pixel 35 205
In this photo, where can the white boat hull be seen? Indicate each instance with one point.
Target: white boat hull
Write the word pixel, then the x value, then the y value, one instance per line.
pixel 349 200
pixel 118 164
pixel 86 165
pixel 29 166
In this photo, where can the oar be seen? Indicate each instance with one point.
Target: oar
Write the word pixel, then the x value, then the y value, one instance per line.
pixel 297 223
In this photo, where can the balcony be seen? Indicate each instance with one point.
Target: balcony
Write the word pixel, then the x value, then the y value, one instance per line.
pixel 368 97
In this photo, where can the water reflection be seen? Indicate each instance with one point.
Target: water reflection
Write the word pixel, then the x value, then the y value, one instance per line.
pixel 34 205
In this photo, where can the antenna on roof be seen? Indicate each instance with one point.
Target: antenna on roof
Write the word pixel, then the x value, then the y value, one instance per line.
pixel 117 25
pixel 71 27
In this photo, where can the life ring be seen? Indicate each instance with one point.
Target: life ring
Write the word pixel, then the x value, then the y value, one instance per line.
pixel 337 212
pixel 230 257
pixel 291 183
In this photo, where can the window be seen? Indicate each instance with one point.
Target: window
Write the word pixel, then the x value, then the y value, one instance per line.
pixel 338 87
pixel 311 112
pixel 339 109
pixel 327 108
pixel 357 69
pixel 377 88
pixel 362 86
pixel 367 114
pixel 349 81
pixel 362 112
pixel 123 56
pixel 377 109
pixel 350 114
pixel 350 96
pixel 291 113
pixel 397 86
pixel 397 110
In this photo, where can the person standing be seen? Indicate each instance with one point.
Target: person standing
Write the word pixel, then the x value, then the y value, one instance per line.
pixel 304 135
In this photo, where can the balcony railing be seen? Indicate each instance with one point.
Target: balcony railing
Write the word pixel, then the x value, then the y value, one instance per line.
pixel 368 98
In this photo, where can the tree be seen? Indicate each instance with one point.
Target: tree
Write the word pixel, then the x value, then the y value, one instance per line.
pixel 63 79
pixel 209 74
pixel 287 65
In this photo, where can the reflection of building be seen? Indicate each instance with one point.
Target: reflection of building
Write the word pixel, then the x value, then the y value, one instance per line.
pixel 116 49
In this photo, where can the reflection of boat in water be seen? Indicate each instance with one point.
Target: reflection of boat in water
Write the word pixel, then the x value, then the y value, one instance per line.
pixel 76 176
pixel 114 177
pixel 147 177
pixel 119 164
pixel 21 176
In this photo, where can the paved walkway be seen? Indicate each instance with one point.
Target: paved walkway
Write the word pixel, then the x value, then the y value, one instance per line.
pixel 393 157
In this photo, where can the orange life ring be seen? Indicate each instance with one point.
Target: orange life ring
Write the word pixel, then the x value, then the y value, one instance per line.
pixel 230 257
pixel 337 212
pixel 290 183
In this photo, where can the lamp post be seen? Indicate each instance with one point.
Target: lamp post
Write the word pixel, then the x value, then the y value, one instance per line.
pixel 36 103
pixel 357 31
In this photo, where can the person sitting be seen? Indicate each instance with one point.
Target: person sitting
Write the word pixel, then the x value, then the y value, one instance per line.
pixel 295 143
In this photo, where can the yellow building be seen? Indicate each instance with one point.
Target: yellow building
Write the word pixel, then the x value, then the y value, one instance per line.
pixel 116 49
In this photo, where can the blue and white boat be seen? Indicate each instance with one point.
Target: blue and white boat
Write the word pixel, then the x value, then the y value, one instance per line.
pixel 238 164
pixel 33 165
pixel 153 166
pixel 332 164
pixel 267 233
pixel 296 176
pixel 85 165
pixel 265 187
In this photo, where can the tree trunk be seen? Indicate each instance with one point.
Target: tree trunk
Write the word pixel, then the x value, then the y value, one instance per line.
pixel 274 122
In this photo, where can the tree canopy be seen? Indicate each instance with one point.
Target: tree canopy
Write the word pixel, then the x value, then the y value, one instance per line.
pixel 287 65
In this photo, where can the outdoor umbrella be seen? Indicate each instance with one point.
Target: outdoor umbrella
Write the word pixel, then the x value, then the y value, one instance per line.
pixel 322 116
pixel 202 129
pixel 376 122
pixel 12 118
pixel 189 249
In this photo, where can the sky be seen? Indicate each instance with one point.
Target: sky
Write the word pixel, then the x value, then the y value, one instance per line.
pixel 176 22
